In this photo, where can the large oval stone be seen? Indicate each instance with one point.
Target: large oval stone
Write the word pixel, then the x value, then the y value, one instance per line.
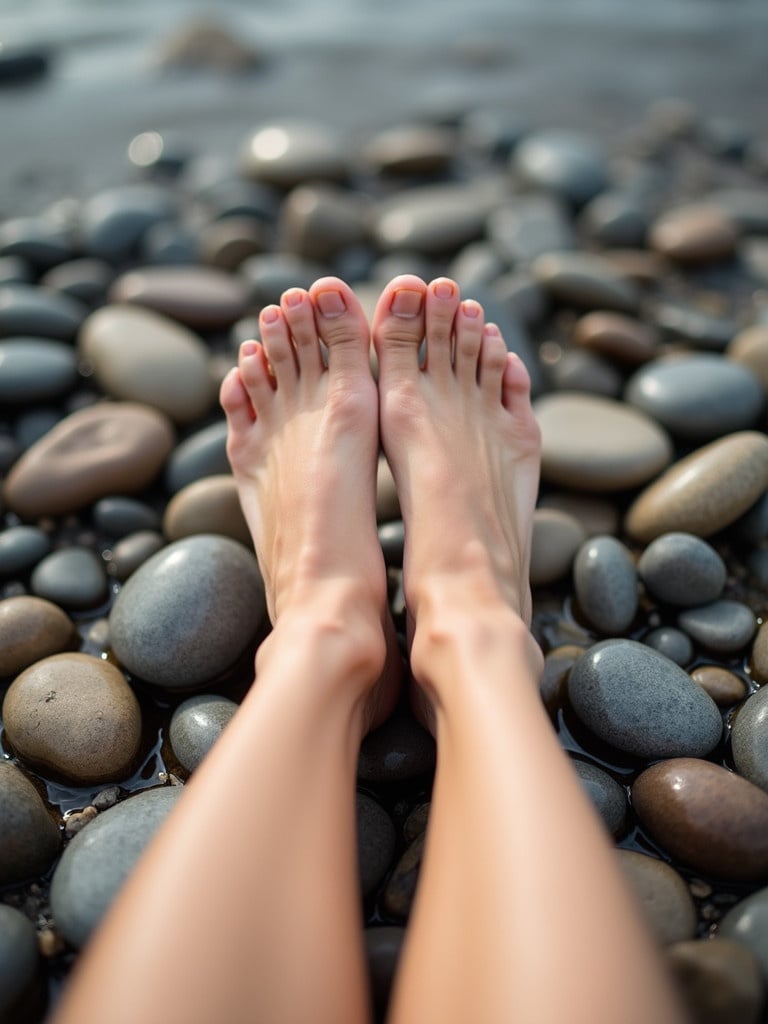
pixel 694 234
pixel 641 702
pixel 586 281
pixel 31 629
pixel 749 739
pixel 747 924
pixel 203 298
pixel 139 355
pixel 108 448
pixel 707 817
pixel 720 981
pixel 287 154
pixel 705 491
pixel 30 837
pixel 189 612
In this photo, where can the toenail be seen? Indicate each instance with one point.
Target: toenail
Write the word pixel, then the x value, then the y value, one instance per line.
pixel 269 314
pixel 444 290
pixel 492 330
pixel 248 348
pixel 406 303
pixel 331 303
pixel 293 298
pixel 470 309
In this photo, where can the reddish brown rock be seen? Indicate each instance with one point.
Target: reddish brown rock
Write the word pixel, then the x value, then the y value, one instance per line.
pixel 723 687
pixel 31 629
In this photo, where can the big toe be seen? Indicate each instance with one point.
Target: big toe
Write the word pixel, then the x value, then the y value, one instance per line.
pixel 342 326
pixel 398 325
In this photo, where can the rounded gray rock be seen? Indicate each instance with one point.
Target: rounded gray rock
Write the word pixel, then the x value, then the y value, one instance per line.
pixel 18 957
pixel 605 579
pixel 375 842
pixel 607 796
pixel 26 309
pixel 115 221
pixel 682 569
pixel 663 895
pixel 749 739
pixel 119 516
pixel 399 749
pixel 35 369
pixel 725 626
pixel 672 643
pixel 71 577
pixel 196 724
pixel 21 548
pixel 747 924
pixel 203 453
pixel 30 837
pixel 98 860
pixel 189 612
pixel 642 703
pixel 566 163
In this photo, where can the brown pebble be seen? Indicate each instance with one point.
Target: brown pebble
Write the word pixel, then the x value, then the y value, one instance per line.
pixel 723 687
pixel 30 629
pixel 50 943
pixel 227 243
pixel 750 348
pixel 719 981
pixel 557 664
pixel 694 234
pixel 210 505
pixel 759 657
pixel 619 337
pixel 203 298
pixel 77 821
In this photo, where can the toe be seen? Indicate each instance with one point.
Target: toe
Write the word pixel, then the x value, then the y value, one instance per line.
pixel 279 348
pixel 255 376
pixel 441 305
pixel 398 325
pixel 300 316
pixel 469 333
pixel 493 360
pixel 343 327
pixel 236 403
pixel 516 384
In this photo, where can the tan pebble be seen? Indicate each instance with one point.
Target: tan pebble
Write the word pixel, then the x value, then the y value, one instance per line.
pixel 318 221
pixel 596 515
pixel 639 265
pixel 705 491
pixel 210 505
pixel 750 348
pixel 557 536
pixel 387 504
pixel 723 687
pixel 619 337
pixel 706 816
pixel 663 895
pixel 50 943
pixel 228 242
pixel 204 298
pixel 407 150
pixel 557 664
pixel 77 821
pixel 30 629
pixel 719 981
pixel 694 234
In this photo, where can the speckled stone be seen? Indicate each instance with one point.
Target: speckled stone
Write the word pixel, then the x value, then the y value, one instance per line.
pixel 203 453
pixel 623 339
pixel 566 163
pixel 663 895
pixel 289 154
pixel 203 298
pixel 30 836
pixel 196 724
pixel 375 842
pixel 747 924
pixel 705 816
pixel 100 857
pixel 607 796
pixel 672 643
pixel 704 491
pixel 694 235
pixel 749 348
pixel 586 281
pixel 724 687
pixel 595 444
pixel 723 626
pixel 210 505
pixel 31 629
pixel 399 749
pixel 72 577
pixel 21 548
pixel 605 581
pixel 34 369
pixel 642 703
pixel 19 961
pixel 557 536
pixel 719 981
pixel 132 551
pixel 749 739
pixel 30 311
pixel 188 613
pixel 74 715
pixel 401 887
pixel 682 569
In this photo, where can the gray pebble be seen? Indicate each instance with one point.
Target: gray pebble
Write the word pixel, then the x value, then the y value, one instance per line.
pixel 115 221
pixel 203 453
pixel 607 796
pixel 586 281
pixel 21 548
pixel 747 924
pixel 269 276
pixel 682 569
pixel 724 626
pixel 18 958
pixel 86 280
pixel 527 227
pixel 71 577
pixel 665 898
pixel 119 516
pixel 399 749
pixel 30 837
pixel 31 311
pixel 35 369
pixel 749 739
pixel 567 163
pixel 196 724
pixel 679 322
pixel 375 842
pixel 38 241
pixel 672 643
pixel 605 579
pixel 617 220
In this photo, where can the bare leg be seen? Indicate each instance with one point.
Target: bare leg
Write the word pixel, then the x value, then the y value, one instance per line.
pixel 245 908
pixel 521 914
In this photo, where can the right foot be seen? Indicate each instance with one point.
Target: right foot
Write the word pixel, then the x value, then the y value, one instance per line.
pixel 461 439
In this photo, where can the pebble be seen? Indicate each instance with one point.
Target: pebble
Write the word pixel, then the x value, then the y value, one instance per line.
pixel 73 577
pixel 203 298
pixel 227 243
pixel 401 887
pixel 642 703
pixel 759 657
pixel 719 981
pixel 672 643
pixel 663 895
pixel 203 453
pixel 19 960
pixel 132 551
pixel 705 816
pixel 524 228
pixel 568 164
pixel 410 151
pixel 607 796
pixel 392 540
pixel 74 715
pixel 382 947
pixel 697 397
pixel 749 739
pixel 99 858
pixel 188 613
pixel 596 515
pixel 375 842
pixel 31 629
pixel 28 310
pixel 86 280
pixel 616 219
pixel 682 569
pixel 586 281
pixel 210 505
pixel 38 241
pixel 118 516
pixel 30 836
pixel 680 322
pixel 21 548
pixel 196 724
pixel 14 270
pixel 558 663
pixel 289 154
pixel 435 219
pixel 115 220
pixel 416 822
pixel 595 444
pixel 749 348
pixel 387 504
pixel 747 924
pixel 106 448
pixel 694 234
pixel 723 626
pixel 605 581
pixel 34 369
pixel 704 491
pixel 621 338
pixel 398 750
pixel 557 536
pixel 577 370
pixel 142 356
pixel 318 222
pixel 724 687
pixel 269 276
pixel 747 208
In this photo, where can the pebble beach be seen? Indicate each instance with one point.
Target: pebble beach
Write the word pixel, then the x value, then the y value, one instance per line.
pixel 624 256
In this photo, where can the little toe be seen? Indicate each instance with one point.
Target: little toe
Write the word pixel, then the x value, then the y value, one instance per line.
pixel 255 376
pixel 278 346
pixel 442 304
pixel 516 382
pixel 343 327
pixel 236 404
pixel 300 316
pixel 398 326
pixel 493 360
pixel 469 333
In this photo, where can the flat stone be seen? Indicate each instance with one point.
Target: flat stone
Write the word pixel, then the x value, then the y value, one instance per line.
pixel 557 536
pixel 84 279
pixel 567 163
pixel 723 626
pixel 719 981
pixel 31 838
pixel 21 548
pixel 118 516
pixel 203 298
pixel 399 749
pixel 132 551
pixel 401 887
pixel 621 338
pixel 749 739
pixel 595 444
pixel 188 613
pixel 585 281
pixel 72 577
pixel 605 581
pixel 662 893
pixel 100 857
pixel 34 369
pixel 196 724
pixel 747 924
pixel 642 703
pixel 705 491
pixel 19 959
pixel 227 243
pixel 607 796
pixel 749 348
pixel 672 643
pixel 210 505
pixel 142 356
pixel 115 221
pixel 697 397
pixel 31 629
pixel 104 449
pixel 527 227
pixel 434 219
pixel 375 842
pixel 318 221
pixel 289 154
pixel 682 569
pixel 694 234
pixel 709 818
pixel 28 310
pixel 724 687
pixel 74 715
pixel 203 453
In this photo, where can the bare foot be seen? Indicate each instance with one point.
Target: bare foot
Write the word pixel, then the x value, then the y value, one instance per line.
pixel 463 444
pixel 303 445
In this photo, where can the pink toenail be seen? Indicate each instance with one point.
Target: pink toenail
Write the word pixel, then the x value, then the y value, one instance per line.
pixel 331 303
pixel 248 348
pixel 406 303
pixel 270 314
pixel 294 298
pixel 492 330
pixel 470 309
pixel 444 290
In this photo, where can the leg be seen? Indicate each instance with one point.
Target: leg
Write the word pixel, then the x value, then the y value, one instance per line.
pixel 521 914
pixel 245 908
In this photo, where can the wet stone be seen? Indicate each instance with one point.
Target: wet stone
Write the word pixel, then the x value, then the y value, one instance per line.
pixel 375 842
pixel 557 536
pixel 18 959
pixel 566 163
pixel 115 220
pixel 724 687
pixel 203 298
pixel 27 310
pixel 87 280
pixel 719 981
pixel 723 626
pixel 672 643
pixel 31 629
pixel 694 235
pixel 682 569
pixel 705 816
pixel 202 454
pixel 74 715
pixel 117 516
pixel 665 898
pixel 286 155
pixel 21 548
pixel 72 577
pixel 747 924
pixel 399 749
pixel 607 796
pixel 749 739
pixel 132 551
pixel 605 581
pixel 528 227
pixel 401 887
pixel 210 505
pixel 617 337
pixel 30 836
pixel 34 369
pixel 196 724
pixel 642 703
pixel 586 281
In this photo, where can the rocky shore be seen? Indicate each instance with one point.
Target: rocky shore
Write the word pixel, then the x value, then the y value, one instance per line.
pixel 633 282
